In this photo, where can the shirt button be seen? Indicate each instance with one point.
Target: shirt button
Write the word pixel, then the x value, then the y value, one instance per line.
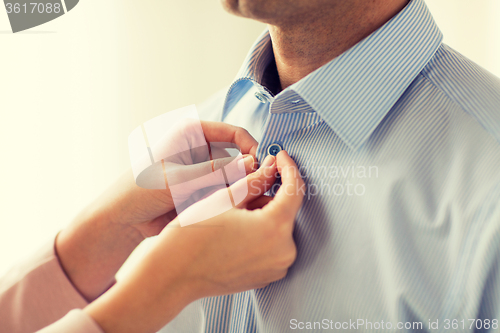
pixel 274 149
pixel 261 97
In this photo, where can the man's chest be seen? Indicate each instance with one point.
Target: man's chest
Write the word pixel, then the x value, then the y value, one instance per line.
pixel 390 216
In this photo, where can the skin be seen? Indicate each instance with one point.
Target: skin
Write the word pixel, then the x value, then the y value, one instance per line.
pixel 97 243
pixel 244 248
pixel 306 34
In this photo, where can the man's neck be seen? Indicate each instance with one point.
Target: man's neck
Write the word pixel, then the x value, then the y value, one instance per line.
pixel 302 47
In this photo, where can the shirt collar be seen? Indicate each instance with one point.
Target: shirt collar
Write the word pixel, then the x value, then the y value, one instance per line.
pixel 353 92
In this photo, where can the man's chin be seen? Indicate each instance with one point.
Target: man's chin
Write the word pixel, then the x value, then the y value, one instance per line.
pixel 231 6
pixel 253 9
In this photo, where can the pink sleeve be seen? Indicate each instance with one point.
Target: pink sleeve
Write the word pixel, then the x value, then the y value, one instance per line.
pixel 37 293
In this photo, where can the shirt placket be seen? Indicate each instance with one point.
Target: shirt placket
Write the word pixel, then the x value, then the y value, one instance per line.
pixel 288 113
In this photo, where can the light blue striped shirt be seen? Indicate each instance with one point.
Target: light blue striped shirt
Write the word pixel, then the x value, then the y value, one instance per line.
pixel 398 142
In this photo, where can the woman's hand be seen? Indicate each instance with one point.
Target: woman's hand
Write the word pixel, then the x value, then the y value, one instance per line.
pixel 100 239
pixel 244 248
pixel 149 210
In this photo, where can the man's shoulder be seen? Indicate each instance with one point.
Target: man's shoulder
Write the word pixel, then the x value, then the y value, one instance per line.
pixel 475 90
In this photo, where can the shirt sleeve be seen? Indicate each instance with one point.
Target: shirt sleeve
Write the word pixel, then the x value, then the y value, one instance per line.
pixel 36 293
pixel 76 321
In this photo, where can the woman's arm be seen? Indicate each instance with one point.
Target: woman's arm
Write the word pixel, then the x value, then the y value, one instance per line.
pixel 101 238
pixel 90 251
pixel 238 250
pixel 246 247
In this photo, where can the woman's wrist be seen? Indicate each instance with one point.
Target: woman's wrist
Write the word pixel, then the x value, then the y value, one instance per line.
pixel 136 310
pixel 92 249
pixel 149 297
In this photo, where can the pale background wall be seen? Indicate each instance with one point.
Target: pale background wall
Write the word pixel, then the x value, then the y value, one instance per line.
pixel 73 89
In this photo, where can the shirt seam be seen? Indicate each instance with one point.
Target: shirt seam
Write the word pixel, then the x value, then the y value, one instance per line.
pixel 451 99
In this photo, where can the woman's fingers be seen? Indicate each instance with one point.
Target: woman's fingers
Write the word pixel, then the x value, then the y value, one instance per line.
pixel 255 184
pixel 221 132
pixel 219 152
pixel 288 199
pixel 233 166
pixel 210 173
pixel 259 202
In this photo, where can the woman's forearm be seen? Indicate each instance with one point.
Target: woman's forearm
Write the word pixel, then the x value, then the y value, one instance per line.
pixel 92 249
pixel 147 299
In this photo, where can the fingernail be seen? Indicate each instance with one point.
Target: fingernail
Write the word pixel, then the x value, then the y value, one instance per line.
pixel 249 162
pixel 268 161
